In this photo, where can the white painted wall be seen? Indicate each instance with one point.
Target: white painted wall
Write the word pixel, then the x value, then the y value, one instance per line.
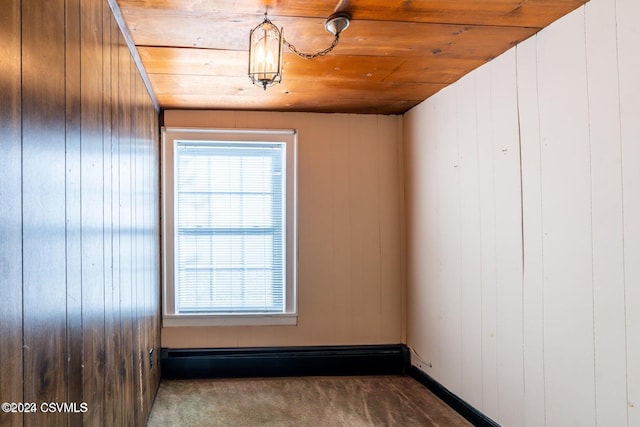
pixel 523 225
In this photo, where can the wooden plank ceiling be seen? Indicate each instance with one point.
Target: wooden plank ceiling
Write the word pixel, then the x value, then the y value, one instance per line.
pixel 395 53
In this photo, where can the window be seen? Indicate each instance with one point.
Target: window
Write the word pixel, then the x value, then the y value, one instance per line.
pixel 229 227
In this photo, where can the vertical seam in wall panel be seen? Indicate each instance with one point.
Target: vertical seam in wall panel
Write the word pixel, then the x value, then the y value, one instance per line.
pixel 522 237
pixel 544 373
pixel 481 264
pixel 81 216
pixel 436 232
pixel 106 235
pixel 350 309
pixel 495 239
pixel 102 158
pixel 377 191
pixel 624 269
pixel 520 164
pixel 378 142
pixel 593 297
pixel 22 196
pixel 402 224
pixel 66 217
pixel 437 251
pixel 333 228
pixel 461 385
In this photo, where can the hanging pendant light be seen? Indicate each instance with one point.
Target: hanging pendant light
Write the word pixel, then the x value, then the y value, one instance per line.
pixel 265 48
pixel 265 54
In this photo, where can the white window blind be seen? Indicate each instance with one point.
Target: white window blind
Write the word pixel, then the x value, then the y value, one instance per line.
pixel 230 227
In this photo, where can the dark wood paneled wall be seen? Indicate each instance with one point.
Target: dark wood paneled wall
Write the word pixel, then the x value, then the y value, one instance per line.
pixel 10 210
pixel 79 243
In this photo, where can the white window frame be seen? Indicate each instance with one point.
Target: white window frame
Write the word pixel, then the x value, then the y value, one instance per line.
pixel 169 137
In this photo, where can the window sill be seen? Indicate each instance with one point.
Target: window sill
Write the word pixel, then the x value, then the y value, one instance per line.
pixel 185 320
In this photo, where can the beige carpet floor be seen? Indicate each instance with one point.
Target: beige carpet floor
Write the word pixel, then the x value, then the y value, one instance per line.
pixel 306 401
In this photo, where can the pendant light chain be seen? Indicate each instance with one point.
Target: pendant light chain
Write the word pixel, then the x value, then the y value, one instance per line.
pixel 266 45
pixel 293 49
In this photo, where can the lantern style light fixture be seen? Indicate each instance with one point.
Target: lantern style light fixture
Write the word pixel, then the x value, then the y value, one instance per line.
pixel 265 48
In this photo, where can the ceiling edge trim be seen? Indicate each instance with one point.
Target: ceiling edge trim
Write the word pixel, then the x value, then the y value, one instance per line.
pixel 117 14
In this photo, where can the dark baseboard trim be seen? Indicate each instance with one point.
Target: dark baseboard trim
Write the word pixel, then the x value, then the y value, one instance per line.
pixel 284 361
pixel 470 413
pixel 308 361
